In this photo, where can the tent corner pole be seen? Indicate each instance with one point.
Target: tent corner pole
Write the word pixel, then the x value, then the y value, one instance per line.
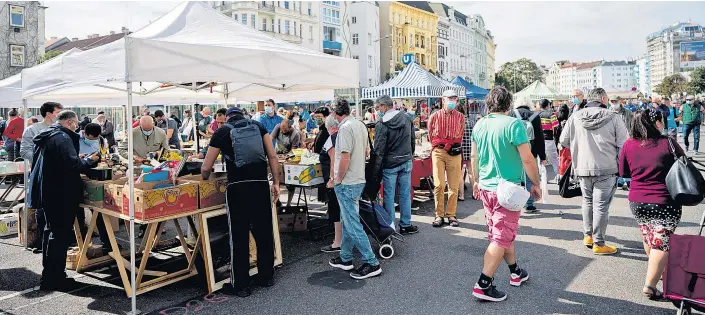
pixel 26 181
pixel 131 203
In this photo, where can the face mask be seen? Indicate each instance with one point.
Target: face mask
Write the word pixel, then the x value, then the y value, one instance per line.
pixel 614 106
pixel 148 132
pixel 575 100
pixel 55 119
pixel 319 121
pixel 689 102
pixel 90 142
pixel 267 110
pixel 450 104
pixel 380 114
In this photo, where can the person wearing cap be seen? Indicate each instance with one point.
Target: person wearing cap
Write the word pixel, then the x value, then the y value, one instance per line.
pixel 691 117
pixel 522 111
pixel 248 198
pixel 445 132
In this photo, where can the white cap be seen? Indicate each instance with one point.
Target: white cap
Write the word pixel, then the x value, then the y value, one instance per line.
pixel 450 93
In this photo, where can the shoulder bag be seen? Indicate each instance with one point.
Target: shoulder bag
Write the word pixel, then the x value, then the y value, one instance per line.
pixel 684 182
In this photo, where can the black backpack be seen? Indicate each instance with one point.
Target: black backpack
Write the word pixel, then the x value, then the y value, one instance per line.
pixel 247 143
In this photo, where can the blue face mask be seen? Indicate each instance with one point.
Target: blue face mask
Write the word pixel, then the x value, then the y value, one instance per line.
pixel 450 104
pixel 268 110
pixel 575 100
pixel 148 132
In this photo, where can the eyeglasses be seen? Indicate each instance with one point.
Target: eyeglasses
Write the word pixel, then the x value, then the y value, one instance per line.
pixel 219 123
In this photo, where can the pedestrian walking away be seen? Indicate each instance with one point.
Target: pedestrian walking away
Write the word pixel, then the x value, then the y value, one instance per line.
pixel 549 126
pixel 499 135
pixel 595 136
pixel 522 111
pixel 627 117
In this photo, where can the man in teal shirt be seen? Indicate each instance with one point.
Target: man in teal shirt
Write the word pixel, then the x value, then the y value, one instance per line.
pixel 494 136
pixel 691 118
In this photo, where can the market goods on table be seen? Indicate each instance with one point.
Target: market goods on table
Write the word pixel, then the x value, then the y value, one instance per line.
pixel 112 194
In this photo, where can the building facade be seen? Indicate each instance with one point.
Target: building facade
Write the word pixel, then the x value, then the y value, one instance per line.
pixel 364 46
pixel 22 33
pixel 664 50
pixel 461 48
pixel 614 76
pixel 478 54
pixel 335 28
pixel 407 27
pixel 296 22
pixel 643 74
pixel 443 41
pixel 491 48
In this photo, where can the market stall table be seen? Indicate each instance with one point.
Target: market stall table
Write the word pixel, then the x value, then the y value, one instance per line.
pixel 15 179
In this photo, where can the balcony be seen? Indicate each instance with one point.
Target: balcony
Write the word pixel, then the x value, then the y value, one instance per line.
pixel 295 39
pixel 243 5
pixel 329 45
pixel 264 8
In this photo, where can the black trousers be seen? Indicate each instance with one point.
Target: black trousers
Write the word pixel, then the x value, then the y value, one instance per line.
pixel 249 208
pixel 41 223
pixel 57 237
pixel 100 225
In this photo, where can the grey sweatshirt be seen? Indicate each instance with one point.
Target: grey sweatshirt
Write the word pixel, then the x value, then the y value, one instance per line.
pixel 595 137
pixel 27 145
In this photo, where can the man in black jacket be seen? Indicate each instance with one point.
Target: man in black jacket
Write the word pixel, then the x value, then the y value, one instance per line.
pixel 57 188
pixel 394 149
pixel 522 110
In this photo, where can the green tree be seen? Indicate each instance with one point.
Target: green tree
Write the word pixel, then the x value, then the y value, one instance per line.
pixel 50 54
pixel 517 75
pixel 672 84
pixel 697 81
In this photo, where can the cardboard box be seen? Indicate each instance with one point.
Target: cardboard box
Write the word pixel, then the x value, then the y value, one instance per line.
pixel 303 175
pixel 153 203
pixel 292 219
pixel 280 171
pixel 211 192
pixel 93 192
pixel 112 194
pixel 9 224
pixel 94 251
pixel 31 226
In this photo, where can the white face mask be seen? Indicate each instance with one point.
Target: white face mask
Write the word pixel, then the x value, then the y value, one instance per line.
pixel 147 132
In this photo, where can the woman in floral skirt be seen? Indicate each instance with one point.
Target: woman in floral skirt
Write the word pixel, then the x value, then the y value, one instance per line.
pixel 647 157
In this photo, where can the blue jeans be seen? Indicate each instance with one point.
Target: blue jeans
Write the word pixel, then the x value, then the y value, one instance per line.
pixel 530 202
pixel 621 180
pixel 695 128
pixel 391 177
pixel 353 234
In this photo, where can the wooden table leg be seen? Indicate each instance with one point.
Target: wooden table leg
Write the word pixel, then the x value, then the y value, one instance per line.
pixel 83 246
pixel 151 229
pixel 116 255
pixel 187 251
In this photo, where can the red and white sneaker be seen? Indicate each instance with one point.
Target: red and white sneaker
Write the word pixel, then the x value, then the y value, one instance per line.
pixel 488 294
pixel 517 279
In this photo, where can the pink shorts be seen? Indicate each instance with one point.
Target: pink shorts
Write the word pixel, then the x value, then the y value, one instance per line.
pixel 502 224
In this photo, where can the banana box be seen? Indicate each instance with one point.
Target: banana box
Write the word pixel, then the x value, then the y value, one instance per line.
pixel 211 192
pixel 152 202
pixel 112 194
pixel 8 224
pixel 303 175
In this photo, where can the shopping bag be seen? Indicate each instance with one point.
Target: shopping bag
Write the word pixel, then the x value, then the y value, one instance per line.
pixel 544 183
pixel 568 186
pixel 564 161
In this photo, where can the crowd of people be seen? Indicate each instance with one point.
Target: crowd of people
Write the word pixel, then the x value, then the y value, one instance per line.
pixel 609 142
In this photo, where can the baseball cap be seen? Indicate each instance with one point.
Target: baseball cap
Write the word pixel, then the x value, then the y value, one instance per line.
pixel 450 93
pixel 689 97
pixel 233 110
pixel 614 98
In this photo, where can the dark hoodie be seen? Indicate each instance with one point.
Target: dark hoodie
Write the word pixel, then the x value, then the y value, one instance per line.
pixel 55 179
pixel 538 147
pixel 394 141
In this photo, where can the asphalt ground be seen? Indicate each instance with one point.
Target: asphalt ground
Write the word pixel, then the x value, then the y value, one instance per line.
pixel 432 272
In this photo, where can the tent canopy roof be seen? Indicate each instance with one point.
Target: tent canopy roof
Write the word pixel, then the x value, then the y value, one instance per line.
pixel 412 82
pixel 538 91
pixel 471 90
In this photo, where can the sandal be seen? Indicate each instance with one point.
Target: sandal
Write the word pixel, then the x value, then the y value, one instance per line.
pixel 654 295
pixel 452 221
pixel 438 222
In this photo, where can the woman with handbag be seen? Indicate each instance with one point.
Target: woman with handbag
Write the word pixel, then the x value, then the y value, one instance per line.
pixel 646 158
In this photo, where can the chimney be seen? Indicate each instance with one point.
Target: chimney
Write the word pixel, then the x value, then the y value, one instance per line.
pixel 54 38
pixel 112 32
pixel 125 30
pixel 74 39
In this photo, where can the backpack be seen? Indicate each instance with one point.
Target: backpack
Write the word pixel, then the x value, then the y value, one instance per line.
pixel 247 144
pixel 527 123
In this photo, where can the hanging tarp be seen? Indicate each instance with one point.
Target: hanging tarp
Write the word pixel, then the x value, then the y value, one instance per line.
pixel 471 90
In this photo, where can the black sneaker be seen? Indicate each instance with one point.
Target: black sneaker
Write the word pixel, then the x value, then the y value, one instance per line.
pixel 517 279
pixel 530 209
pixel 488 294
pixel 366 271
pixel 228 289
pixel 330 249
pixel 411 229
pixel 63 285
pixel 339 263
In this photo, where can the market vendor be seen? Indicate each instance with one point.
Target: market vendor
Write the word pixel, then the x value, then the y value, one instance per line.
pixel 147 139
pixel 248 197
pixel 287 138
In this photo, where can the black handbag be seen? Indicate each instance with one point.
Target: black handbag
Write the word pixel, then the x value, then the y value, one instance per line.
pixel 684 182
pixel 373 181
pixel 568 187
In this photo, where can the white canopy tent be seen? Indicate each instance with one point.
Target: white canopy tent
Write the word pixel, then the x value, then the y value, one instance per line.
pixel 412 82
pixel 194 43
pixel 537 91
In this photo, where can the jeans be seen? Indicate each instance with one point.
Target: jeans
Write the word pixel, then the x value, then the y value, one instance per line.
pixel 400 175
pixel 530 202
pixel 598 192
pixel 621 181
pixel 695 128
pixel 552 154
pixel 353 234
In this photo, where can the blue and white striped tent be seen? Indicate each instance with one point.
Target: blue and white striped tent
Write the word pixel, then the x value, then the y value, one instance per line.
pixel 412 82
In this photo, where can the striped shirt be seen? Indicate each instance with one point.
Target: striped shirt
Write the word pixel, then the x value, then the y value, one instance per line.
pixel 444 127
pixel 549 123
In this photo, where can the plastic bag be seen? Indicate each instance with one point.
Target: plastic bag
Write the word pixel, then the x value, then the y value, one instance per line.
pixel 544 183
pixel 511 196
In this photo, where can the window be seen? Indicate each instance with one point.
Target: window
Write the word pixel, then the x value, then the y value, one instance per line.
pixel 254 21
pixel 264 24
pixel 279 25
pixel 17 20
pixel 235 16
pixel 333 3
pixel 417 40
pixel 369 39
pixel 286 27
pixel 370 82
pixel 423 60
pixel 301 30
pixel 356 40
pixel 309 9
pixel 294 27
pixel 330 33
pixel 356 57
pixel 369 62
pixel 294 3
pixel 286 4
pixel 411 40
pixel 17 55
pixel 244 18
pixel 310 32
pixel 354 20
pixel 422 42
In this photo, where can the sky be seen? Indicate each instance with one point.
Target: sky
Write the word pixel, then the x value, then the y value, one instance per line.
pixel 542 31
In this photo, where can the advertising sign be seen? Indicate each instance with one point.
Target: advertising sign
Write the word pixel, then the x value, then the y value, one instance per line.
pixel 692 54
